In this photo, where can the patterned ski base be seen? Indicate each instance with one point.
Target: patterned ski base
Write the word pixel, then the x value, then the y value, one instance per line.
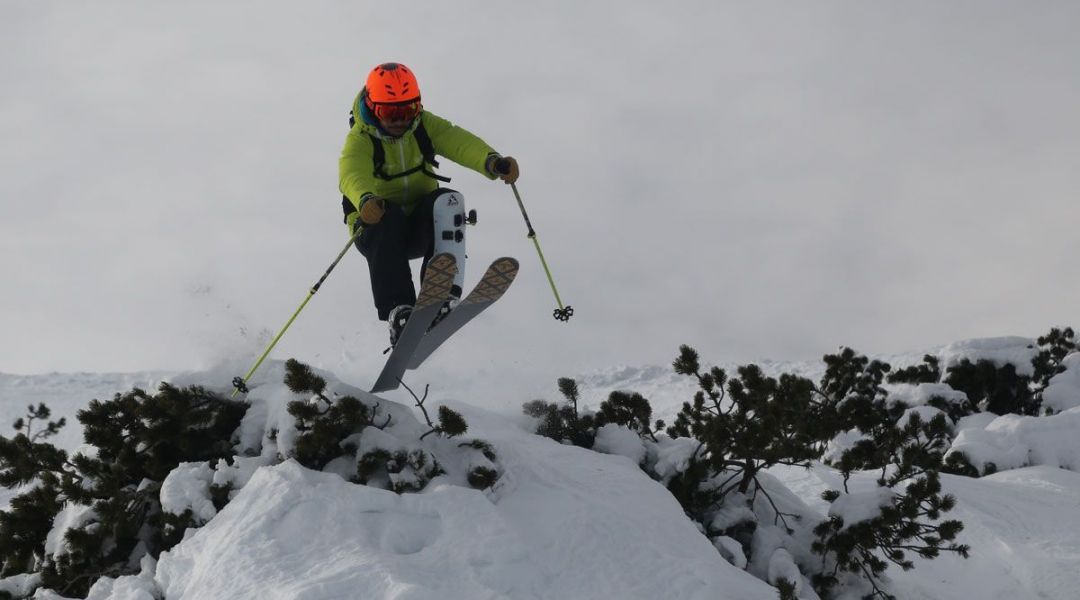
pixel 492 286
pixel 435 289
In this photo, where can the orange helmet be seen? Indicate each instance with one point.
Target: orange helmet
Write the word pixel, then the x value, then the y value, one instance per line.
pixel 392 83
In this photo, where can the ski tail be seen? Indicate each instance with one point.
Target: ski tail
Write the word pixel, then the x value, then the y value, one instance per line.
pixel 434 290
pixel 494 283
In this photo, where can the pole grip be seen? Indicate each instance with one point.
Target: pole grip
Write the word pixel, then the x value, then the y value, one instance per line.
pixel 502 166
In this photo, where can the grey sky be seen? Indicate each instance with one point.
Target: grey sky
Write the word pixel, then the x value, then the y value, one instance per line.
pixel 755 179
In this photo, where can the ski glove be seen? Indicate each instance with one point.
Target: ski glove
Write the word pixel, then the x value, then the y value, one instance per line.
pixel 504 167
pixel 372 210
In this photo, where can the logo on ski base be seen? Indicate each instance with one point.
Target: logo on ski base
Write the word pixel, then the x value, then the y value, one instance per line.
pixel 453 200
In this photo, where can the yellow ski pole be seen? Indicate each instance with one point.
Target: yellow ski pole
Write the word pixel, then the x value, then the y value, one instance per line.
pixel 240 383
pixel 563 313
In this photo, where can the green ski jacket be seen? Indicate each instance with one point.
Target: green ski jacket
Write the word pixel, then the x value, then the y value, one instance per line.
pixel 356 168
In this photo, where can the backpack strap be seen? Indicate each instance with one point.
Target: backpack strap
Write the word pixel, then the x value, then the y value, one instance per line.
pixel 426 147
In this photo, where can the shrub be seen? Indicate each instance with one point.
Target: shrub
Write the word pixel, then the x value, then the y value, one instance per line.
pixel 346 427
pixel 909 453
pixel 139 438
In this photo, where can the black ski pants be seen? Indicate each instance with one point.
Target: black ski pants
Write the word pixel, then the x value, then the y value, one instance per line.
pixel 390 244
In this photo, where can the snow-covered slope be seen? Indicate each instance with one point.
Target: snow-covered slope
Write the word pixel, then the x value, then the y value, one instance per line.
pixel 1022 526
pixel 562 522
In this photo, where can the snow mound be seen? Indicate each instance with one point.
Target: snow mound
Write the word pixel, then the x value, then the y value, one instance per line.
pixel 856 507
pixel 1014 441
pixel 562 522
pixel 1017 351
pixel 306 534
pixel 617 439
pixel 1063 392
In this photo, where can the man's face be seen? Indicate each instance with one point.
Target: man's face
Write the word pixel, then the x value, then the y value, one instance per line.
pixel 395 119
pixel 395 128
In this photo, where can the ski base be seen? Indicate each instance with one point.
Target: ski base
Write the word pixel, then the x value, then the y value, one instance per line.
pixel 434 291
pixel 492 286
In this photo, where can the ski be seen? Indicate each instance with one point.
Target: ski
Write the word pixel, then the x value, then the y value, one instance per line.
pixel 434 290
pixel 492 286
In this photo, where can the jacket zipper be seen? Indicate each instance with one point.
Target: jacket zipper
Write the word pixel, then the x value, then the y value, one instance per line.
pixel 405 180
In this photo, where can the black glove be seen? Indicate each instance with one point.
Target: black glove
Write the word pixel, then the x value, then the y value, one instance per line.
pixel 505 168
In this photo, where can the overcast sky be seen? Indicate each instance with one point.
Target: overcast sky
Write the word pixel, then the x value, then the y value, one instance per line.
pixel 756 179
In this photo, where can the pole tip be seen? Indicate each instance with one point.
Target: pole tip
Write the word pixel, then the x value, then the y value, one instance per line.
pixel 564 314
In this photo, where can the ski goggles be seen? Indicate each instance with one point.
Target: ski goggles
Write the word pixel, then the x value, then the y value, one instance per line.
pixel 398 112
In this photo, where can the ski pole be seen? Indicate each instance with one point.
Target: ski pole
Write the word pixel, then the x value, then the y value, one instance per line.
pixel 563 313
pixel 241 383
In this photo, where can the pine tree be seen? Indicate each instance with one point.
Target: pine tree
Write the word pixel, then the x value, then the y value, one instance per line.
pixel 630 410
pixel 26 458
pixel 322 424
pixel 997 389
pixel 745 426
pixel 909 456
pixel 566 423
pixel 927 372
pixel 1053 348
pixel 140 438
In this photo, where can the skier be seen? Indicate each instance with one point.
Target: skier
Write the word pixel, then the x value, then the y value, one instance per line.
pixel 391 191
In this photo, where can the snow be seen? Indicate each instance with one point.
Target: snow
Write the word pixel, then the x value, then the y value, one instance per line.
pixel 856 507
pixel 620 440
pixel 373 438
pixel 924 413
pixel 565 522
pixel 188 487
pixel 731 550
pixel 1014 441
pixel 1022 526
pixel 554 527
pixel 72 516
pixel 843 442
pixel 782 566
pixel 920 394
pixel 240 472
pixel 19 584
pixel 1017 351
pixel 1063 391
pixel 673 455
pixel 136 587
